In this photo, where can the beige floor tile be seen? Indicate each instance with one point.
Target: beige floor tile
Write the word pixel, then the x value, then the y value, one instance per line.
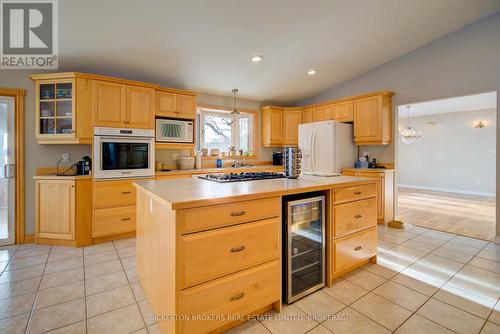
pixel 19 287
pixel 99 248
pixel 380 270
pixel 490 328
pixel 15 325
pixel 319 306
pixel 345 291
pixel 489 255
pixel 419 325
pixel 64 253
pixel 62 265
pixel 100 257
pixel 465 300
pixel 452 255
pixel 132 275
pixel 147 313
pixel 408 253
pixel 3 265
pixel 383 245
pixel 320 329
pixel 57 316
pixel 383 311
pixel 402 233
pixel 59 294
pixel 6 253
pixel 439 235
pixel 106 282
pixel 348 321
pixel 124 243
pixel 419 245
pixel 128 262
pixel 415 284
pixel 472 242
pixel 401 295
pixel 426 239
pixel 364 279
pixel 21 274
pixel 27 262
pixel 76 328
pixel 393 261
pixel 155 329
pixel 62 277
pixel 123 320
pixel 482 282
pixel 109 300
pixel 17 305
pixel 460 247
pixel 290 321
pixel 434 270
pixel 138 291
pixel 249 327
pixel 392 238
pixel 103 268
pixel 451 317
pixel 495 315
pixel 126 252
pixel 485 264
pixel 35 251
pixel 145 331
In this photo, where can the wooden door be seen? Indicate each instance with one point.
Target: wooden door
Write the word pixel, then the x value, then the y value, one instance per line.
pixel 165 104
pixel 367 119
pixel 185 106
pixel 307 115
pixel 109 103
pixel 140 110
pixel 343 111
pixel 55 209
pixel 323 113
pixel 292 119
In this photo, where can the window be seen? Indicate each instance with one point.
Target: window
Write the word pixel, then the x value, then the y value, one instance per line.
pixel 221 129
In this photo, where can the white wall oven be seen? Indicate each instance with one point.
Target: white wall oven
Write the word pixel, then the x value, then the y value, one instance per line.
pixel 123 153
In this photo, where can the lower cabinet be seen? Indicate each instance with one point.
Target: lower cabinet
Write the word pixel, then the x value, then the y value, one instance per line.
pixel 62 214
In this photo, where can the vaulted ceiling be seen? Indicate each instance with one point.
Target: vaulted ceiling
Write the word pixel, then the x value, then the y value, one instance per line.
pixel 206 45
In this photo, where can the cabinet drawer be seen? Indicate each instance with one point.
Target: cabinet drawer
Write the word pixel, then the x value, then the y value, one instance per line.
pixel 354 216
pixel 212 254
pixel 355 248
pixel 205 218
pixel 354 193
pixel 111 194
pixel 235 295
pixel 113 221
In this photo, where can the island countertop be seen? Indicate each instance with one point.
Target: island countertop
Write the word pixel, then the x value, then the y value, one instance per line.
pixel 195 192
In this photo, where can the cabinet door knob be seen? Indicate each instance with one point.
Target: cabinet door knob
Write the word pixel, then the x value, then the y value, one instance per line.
pixel 357 193
pixel 357 248
pixel 238 296
pixel 125 219
pixel 358 216
pixel 237 249
pixel 125 192
pixel 237 213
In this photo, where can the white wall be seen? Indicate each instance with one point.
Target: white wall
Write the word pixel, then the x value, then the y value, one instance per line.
pixel 451 155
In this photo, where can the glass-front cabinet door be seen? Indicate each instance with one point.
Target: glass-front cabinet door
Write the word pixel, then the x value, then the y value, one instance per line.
pixel 306 246
pixel 55 109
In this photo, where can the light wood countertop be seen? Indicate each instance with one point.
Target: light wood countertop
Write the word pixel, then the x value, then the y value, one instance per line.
pixel 195 192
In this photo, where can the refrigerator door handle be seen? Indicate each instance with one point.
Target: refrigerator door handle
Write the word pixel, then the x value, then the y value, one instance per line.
pixel 312 149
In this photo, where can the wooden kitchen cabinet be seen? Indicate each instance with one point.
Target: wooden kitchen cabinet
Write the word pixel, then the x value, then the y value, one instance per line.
pixel 140 107
pixel 62 214
pixel 291 120
pixel 175 105
pixel 185 106
pixel 343 111
pixel 307 115
pixel 373 120
pixel 63 109
pixel 323 113
pixel 272 126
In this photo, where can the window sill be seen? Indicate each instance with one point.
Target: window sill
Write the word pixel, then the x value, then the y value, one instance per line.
pixel 239 157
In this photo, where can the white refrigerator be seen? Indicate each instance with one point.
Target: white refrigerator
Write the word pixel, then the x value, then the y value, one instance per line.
pixel 326 147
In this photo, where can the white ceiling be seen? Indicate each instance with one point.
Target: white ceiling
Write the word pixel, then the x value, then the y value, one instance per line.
pixel 206 45
pixel 481 101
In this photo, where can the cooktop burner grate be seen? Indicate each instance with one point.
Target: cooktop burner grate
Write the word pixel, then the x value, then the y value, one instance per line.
pixel 235 177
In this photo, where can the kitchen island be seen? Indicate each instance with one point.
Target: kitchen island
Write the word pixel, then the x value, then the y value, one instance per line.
pixel 209 254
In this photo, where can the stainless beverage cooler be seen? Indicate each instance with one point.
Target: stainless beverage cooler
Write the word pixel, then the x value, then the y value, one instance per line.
pixel 303 245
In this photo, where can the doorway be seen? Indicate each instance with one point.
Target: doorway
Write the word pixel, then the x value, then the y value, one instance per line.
pixel 446 164
pixel 7 171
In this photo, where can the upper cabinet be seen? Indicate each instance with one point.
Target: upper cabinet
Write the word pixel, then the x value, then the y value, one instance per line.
pixel 272 126
pixel 140 107
pixel 291 120
pixel 174 105
pixel 307 115
pixel 373 120
pixel 63 109
pixel 343 111
pixel 322 113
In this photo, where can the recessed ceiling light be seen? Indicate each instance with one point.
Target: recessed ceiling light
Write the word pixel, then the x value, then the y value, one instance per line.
pixel 256 58
pixel 311 72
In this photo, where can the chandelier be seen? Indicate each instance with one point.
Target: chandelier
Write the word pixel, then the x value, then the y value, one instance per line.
pixel 408 133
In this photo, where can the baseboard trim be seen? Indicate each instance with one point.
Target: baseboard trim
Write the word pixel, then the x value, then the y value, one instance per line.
pixel 447 190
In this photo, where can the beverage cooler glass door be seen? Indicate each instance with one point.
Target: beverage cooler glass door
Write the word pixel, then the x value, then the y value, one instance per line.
pixel 306 247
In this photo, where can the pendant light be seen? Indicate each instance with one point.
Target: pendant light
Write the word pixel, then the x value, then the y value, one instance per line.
pixel 235 110
pixel 408 133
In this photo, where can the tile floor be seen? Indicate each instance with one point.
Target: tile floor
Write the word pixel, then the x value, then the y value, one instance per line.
pixel 425 282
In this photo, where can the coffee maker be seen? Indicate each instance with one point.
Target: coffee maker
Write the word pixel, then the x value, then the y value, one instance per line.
pixel 84 166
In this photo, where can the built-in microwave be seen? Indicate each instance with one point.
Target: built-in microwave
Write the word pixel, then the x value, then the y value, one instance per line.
pixel 120 153
pixel 174 130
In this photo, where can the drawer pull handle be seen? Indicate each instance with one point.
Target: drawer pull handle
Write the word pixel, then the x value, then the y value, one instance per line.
pixel 357 193
pixel 237 213
pixel 357 248
pixel 238 296
pixel 358 216
pixel 237 249
pixel 125 192
pixel 125 219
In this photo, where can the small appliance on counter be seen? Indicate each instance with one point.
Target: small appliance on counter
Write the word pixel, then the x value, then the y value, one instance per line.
pixel 174 130
pixel 278 158
pixel 84 166
pixel 291 161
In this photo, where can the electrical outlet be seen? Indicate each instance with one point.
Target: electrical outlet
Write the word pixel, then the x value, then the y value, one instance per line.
pixel 65 156
pixel 175 156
